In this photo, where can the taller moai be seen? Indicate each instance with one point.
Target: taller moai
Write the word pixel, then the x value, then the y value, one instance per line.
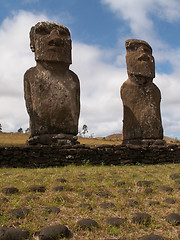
pixel 141 97
pixel 52 91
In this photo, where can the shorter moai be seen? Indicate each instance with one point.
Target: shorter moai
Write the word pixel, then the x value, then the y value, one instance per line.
pixel 52 91
pixel 141 97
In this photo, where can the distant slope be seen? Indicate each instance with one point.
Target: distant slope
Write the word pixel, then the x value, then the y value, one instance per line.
pixel 117 136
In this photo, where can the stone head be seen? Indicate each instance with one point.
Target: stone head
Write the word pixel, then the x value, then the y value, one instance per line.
pixel 51 42
pixel 139 59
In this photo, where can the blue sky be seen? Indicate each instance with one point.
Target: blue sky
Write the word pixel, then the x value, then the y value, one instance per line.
pixel 99 29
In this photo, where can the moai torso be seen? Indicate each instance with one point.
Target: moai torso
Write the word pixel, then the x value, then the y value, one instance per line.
pixel 141 97
pixel 52 91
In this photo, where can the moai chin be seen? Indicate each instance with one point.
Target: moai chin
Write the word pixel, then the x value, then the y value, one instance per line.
pixel 52 91
pixel 141 97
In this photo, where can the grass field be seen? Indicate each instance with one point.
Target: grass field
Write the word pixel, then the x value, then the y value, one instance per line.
pixel 110 191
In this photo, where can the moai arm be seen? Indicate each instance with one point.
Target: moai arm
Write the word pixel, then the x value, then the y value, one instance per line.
pixel 27 90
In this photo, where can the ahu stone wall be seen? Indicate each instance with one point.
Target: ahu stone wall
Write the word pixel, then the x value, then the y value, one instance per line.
pixel 48 156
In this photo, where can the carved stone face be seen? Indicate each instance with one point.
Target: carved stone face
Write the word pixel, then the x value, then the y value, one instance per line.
pixel 51 42
pixel 139 59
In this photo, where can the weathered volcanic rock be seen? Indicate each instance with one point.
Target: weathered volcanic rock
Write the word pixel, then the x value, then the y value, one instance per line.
pixel 115 221
pixel 87 223
pixel 144 183
pixel 173 218
pixel 86 206
pixel 37 188
pixel 10 190
pixel 175 176
pixel 13 234
pixel 152 237
pixel 54 232
pixel 141 218
pixel 166 188
pixel 19 213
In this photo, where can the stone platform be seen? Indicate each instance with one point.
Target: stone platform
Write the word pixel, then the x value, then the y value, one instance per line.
pixel 48 156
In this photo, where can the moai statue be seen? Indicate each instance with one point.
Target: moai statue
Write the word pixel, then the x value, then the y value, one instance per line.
pixel 141 97
pixel 52 91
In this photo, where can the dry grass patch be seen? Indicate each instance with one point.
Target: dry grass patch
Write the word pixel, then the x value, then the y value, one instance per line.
pixel 94 186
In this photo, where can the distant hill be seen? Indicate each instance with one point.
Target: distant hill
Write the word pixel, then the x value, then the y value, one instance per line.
pixel 118 136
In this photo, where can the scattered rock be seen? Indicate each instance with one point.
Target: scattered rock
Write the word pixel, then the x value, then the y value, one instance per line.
pixel 173 218
pixel 107 205
pixel 85 205
pixel 54 232
pixel 120 183
pixel 86 223
pixel 132 202
pixel 141 218
pixel 3 200
pixel 10 190
pixel 144 183
pixel 54 210
pixel 61 180
pixel 37 188
pixel 169 201
pixel 103 193
pixel 152 237
pixel 175 176
pixel 58 188
pixel 13 234
pixel 177 181
pixel 148 190
pixel 115 221
pixel 165 188
pixel 177 187
pixel 19 213
pixel 152 203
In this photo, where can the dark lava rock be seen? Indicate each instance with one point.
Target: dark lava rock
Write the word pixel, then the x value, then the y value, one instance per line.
pixel 148 190
pixel 103 193
pixel 145 183
pixel 10 190
pixel 152 203
pixel 107 205
pixel 13 234
pixel 177 187
pixel 54 210
pixel 169 201
pixel 54 232
pixel 115 221
pixel 58 188
pixel 177 181
pixel 61 180
pixel 37 188
pixel 175 176
pixel 152 237
pixel 19 213
pixel 86 223
pixel 120 183
pixel 3 200
pixel 141 218
pixel 165 188
pixel 85 205
pixel 132 202
pixel 173 218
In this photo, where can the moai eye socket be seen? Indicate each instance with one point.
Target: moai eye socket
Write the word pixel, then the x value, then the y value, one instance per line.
pixel 132 47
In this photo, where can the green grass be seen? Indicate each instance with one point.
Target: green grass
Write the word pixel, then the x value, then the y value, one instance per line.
pixel 97 179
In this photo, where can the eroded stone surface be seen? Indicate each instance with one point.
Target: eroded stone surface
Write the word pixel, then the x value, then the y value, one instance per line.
pixel 19 213
pixel 152 237
pixel 87 223
pixel 52 91
pixel 54 232
pixel 13 234
pixel 141 218
pixel 173 218
pixel 141 97
pixel 10 190
pixel 115 221
pixel 37 188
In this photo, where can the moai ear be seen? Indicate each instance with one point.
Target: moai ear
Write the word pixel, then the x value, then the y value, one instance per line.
pixel 32 39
